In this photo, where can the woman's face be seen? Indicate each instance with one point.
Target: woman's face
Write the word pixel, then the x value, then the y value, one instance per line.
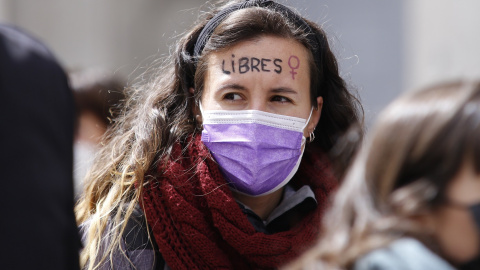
pixel 455 228
pixel 269 74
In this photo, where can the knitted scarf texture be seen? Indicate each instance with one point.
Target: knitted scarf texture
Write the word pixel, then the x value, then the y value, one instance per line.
pixel 197 224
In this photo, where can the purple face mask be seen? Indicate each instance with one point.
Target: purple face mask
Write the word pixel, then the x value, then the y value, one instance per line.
pixel 258 152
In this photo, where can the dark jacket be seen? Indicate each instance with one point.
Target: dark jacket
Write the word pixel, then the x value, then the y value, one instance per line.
pixel 36 137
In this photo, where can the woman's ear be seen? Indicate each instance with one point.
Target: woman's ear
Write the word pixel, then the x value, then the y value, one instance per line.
pixel 197 115
pixel 426 221
pixel 317 112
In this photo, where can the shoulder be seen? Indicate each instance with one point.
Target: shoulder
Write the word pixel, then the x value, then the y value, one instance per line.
pixel 402 254
pixel 137 249
pixel 140 245
pixel 136 234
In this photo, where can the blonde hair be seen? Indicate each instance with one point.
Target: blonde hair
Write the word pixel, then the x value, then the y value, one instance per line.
pixel 417 146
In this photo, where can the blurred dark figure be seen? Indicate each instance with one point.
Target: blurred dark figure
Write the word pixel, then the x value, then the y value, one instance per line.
pixel 36 118
pixel 98 94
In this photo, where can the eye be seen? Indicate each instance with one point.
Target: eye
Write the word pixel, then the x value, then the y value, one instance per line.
pixel 281 99
pixel 232 96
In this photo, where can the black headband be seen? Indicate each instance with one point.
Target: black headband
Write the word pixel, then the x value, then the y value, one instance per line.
pixel 207 31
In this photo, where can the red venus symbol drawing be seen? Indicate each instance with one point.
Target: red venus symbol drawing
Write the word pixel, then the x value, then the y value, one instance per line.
pixel 293 72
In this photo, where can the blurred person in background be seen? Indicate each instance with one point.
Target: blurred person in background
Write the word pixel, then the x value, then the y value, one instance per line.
pixel 222 160
pixel 37 118
pixel 98 95
pixel 412 197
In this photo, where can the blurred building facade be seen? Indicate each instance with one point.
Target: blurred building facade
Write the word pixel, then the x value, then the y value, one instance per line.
pixel 384 47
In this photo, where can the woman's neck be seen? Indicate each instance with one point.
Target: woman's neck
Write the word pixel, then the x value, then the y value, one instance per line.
pixel 262 205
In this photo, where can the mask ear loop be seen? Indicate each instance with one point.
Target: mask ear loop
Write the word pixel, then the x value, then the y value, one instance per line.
pixel 311 137
pixel 200 107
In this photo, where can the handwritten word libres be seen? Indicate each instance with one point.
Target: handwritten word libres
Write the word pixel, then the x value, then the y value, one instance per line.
pixel 251 64
pixel 297 61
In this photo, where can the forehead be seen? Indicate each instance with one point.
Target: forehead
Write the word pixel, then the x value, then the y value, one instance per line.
pixel 271 58
pixel 265 46
pixel 275 44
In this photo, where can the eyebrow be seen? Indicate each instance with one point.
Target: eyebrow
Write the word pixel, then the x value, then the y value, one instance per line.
pixel 283 90
pixel 234 86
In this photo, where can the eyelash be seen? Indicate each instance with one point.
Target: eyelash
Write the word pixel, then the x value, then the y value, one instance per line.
pixel 230 97
pixel 285 99
pixel 281 99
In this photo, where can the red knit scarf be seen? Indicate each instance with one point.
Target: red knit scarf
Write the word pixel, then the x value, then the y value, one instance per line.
pixel 197 223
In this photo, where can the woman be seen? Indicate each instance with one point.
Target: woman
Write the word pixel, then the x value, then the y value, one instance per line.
pixel 208 167
pixel 412 197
